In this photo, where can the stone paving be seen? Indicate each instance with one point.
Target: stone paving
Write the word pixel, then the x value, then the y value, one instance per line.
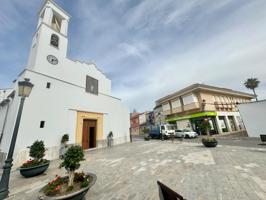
pixel 130 171
pixel 235 141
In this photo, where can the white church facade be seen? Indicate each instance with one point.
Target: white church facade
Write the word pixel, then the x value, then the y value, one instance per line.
pixel 68 96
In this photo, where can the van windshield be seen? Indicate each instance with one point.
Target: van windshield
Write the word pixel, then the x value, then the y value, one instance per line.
pixel 170 127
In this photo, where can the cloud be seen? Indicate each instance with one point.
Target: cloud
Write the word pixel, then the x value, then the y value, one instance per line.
pixel 151 48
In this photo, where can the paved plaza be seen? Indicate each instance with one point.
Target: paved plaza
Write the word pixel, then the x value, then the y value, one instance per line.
pixel 130 171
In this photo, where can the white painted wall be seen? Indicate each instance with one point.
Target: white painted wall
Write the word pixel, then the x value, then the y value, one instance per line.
pixel 10 122
pixel 66 69
pixel 3 111
pixel 142 118
pixel 254 117
pixel 4 93
pixel 58 107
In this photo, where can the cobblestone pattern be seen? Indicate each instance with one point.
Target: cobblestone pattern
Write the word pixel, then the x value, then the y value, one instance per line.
pixel 130 172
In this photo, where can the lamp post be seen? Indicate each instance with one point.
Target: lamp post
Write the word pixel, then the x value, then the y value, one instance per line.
pixel 159 115
pixel 160 121
pixel 203 105
pixel 24 89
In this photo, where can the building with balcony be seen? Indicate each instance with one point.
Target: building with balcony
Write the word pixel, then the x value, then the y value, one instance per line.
pixel 134 123
pixel 139 121
pixel 187 108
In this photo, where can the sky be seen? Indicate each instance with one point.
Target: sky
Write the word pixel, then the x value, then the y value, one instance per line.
pixel 149 48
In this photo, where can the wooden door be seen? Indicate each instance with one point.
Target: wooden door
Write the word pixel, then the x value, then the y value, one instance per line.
pixel 89 134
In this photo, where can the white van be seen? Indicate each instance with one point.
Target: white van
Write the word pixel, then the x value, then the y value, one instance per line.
pixel 167 130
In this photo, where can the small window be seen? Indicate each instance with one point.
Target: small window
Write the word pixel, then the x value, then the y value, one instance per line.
pixel 54 40
pixel 91 85
pixel 48 85
pixel 42 123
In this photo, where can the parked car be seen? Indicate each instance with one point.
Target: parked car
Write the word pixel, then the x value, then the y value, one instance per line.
pixel 179 133
pixel 186 133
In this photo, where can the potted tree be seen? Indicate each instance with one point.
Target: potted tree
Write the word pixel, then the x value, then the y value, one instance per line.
pixel 65 139
pixel 146 132
pixel 38 164
pixel 63 145
pixel 71 187
pixel 208 141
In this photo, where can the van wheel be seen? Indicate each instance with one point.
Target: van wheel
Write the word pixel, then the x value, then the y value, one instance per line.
pixel 186 136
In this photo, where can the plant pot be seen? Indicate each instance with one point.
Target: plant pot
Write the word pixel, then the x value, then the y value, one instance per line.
pixel 34 171
pixel 147 137
pixel 209 143
pixel 77 195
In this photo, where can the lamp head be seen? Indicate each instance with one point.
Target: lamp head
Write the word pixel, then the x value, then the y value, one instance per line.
pixel 24 88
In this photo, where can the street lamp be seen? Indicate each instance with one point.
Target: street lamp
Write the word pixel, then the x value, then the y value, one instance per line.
pixel 24 90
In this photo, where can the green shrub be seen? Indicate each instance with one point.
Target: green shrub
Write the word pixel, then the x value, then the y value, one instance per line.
pixel 37 150
pixel 209 139
pixel 146 130
pixel 54 186
pixel 85 183
pixel 33 163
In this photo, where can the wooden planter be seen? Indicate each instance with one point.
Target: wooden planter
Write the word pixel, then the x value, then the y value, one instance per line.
pixel 34 171
pixel 78 195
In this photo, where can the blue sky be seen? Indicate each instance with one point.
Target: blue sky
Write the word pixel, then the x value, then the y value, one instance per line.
pixel 149 48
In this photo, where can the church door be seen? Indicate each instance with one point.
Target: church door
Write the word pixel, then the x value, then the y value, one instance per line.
pixel 89 134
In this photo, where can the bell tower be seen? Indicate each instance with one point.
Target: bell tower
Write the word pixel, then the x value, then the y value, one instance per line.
pixel 49 44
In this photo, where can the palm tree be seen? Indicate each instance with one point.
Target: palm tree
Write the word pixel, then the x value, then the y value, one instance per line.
pixel 252 83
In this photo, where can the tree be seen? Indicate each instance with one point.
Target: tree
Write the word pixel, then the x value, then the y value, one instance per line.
pixel 252 83
pixel 37 150
pixel 205 126
pixel 71 162
pixel 65 138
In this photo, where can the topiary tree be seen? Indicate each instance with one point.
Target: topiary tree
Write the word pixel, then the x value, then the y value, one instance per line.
pixel 146 130
pixel 37 150
pixel 71 162
pixel 205 126
pixel 65 138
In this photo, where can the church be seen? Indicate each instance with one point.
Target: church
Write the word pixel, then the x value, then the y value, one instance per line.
pixel 68 97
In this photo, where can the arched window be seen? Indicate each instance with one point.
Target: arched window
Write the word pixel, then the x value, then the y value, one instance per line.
pixel 54 40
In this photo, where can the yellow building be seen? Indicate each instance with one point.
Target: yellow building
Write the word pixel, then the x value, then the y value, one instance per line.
pixel 190 106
